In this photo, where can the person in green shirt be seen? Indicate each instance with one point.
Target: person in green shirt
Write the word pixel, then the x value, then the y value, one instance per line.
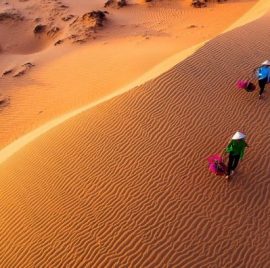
pixel 236 149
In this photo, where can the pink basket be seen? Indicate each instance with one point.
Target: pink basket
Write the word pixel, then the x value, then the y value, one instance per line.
pixel 242 84
pixel 216 165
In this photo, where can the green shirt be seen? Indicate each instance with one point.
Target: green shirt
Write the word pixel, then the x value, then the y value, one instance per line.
pixel 237 147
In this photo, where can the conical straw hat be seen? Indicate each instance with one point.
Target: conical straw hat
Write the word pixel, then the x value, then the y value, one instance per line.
pixel 238 136
pixel 266 62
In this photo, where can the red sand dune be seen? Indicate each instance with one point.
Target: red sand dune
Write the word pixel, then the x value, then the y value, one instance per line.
pixel 125 184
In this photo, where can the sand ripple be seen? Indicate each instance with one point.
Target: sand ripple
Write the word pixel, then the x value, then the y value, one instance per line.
pixel 126 184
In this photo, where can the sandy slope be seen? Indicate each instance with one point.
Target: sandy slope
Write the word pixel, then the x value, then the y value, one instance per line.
pixel 126 185
pixel 66 77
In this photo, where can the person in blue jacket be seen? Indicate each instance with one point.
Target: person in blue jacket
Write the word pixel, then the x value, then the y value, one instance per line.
pixel 263 75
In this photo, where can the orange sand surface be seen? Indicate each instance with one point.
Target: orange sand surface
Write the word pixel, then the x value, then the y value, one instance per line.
pixel 133 40
pixel 118 177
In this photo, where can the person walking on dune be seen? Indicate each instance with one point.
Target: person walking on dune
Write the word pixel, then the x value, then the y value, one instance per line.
pixel 263 75
pixel 236 149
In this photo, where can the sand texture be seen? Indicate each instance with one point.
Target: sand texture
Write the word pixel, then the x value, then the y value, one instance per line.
pixel 87 66
pixel 125 184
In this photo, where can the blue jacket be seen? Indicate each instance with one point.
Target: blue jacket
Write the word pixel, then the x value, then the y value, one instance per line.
pixel 263 72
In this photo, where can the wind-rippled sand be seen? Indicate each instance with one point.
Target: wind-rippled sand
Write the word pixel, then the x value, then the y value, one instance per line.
pixel 65 77
pixel 126 184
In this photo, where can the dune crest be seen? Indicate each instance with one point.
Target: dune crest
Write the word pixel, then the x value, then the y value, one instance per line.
pixel 15 146
pixel 119 52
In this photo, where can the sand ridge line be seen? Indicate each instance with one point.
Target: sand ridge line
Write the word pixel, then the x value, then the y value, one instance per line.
pixel 124 34
pixel 15 146
pixel 257 11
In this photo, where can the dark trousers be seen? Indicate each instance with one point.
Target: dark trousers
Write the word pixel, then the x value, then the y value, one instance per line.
pixel 262 84
pixel 233 162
